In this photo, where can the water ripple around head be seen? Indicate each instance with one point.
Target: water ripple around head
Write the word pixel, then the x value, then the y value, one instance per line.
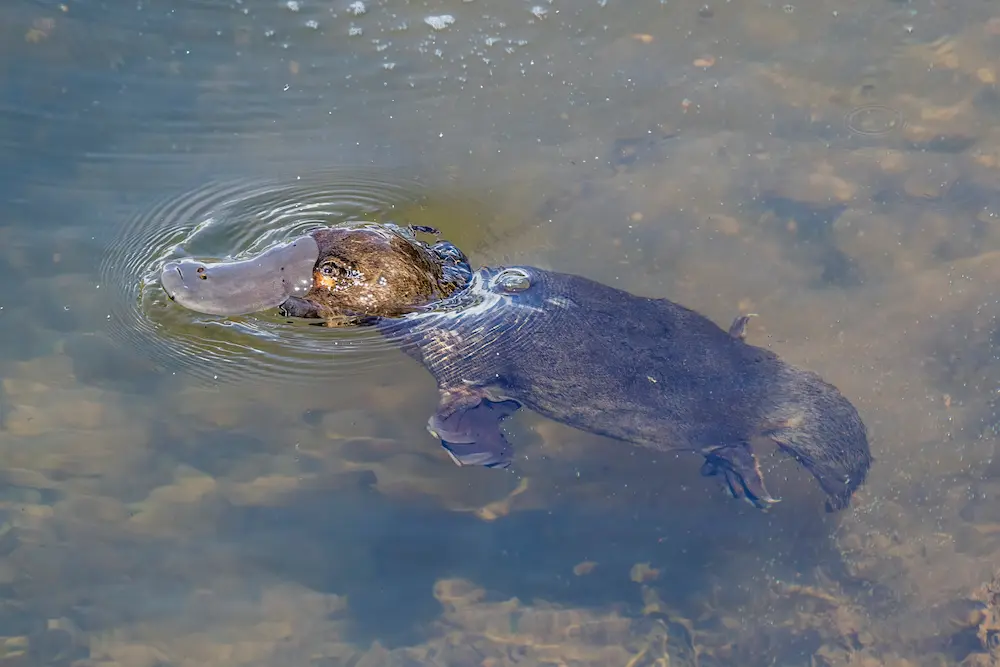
pixel 232 220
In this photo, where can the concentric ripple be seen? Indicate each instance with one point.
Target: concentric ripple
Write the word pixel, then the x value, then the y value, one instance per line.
pixel 232 220
pixel 874 120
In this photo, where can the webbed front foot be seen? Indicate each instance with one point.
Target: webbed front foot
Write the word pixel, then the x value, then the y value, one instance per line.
pixel 426 229
pixel 297 307
pixel 454 264
pixel 294 306
pixel 468 426
pixel 740 471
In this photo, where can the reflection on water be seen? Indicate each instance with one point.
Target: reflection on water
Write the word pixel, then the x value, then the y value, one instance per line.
pixel 830 166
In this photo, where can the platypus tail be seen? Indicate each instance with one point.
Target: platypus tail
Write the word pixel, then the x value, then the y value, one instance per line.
pixel 812 421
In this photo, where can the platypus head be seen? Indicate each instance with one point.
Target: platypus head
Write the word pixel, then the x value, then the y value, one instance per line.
pixel 341 274
pixel 374 271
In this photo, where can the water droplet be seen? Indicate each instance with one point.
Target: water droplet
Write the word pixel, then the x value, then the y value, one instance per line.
pixel 312 23
pixel 357 8
pixel 439 22
pixel 513 280
pixel 293 5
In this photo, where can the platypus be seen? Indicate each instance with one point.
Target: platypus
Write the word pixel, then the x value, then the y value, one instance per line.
pixel 641 370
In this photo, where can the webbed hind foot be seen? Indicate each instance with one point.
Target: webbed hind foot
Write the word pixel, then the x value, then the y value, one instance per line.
pixel 468 426
pixel 738 329
pixel 738 467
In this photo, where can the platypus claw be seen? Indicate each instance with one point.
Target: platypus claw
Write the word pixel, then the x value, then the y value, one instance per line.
pixel 738 467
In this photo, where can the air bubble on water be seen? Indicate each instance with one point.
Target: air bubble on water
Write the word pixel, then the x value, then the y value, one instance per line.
pixel 269 32
pixel 439 22
pixel 401 27
pixel 539 11
pixel 312 23
pixel 490 41
pixel 293 5
pixel 354 31
pixel 388 65
pixel 357 8
pixel 602 3
pixel 379 48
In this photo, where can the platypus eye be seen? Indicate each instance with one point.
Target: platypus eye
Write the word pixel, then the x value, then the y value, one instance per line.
pixel 330 268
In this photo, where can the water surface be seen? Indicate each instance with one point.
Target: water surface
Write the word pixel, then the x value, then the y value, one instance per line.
pixel 832 166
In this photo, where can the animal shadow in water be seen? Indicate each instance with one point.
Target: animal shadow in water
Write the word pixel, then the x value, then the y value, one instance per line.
pixel 814 244
pixel 386 554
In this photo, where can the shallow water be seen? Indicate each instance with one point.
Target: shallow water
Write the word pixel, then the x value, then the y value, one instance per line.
pixel 170 496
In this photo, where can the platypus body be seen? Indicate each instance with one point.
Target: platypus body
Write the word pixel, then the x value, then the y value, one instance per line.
pixel 641 370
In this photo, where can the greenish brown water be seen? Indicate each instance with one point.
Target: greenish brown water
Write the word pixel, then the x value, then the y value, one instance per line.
pixel 832 166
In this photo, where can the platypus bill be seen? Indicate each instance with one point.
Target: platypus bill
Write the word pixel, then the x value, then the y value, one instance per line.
pixel 636 369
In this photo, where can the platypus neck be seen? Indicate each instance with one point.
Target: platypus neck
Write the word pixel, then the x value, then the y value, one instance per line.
pixel 468 297
pixel 472 319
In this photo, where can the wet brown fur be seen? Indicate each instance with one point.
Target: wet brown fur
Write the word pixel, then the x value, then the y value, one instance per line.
pixel 372 272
